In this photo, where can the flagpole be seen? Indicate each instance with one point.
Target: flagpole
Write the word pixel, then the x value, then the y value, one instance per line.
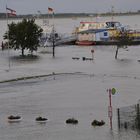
pixel 50 10
pixel 8 41
pixel 53 35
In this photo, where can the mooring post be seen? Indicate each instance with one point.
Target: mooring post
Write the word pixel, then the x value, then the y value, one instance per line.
pixel 118 112
pixel 138 117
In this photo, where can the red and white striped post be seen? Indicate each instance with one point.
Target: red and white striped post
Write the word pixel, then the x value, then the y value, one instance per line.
pixel 110 115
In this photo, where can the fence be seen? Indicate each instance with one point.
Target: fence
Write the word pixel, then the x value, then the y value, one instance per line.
pixel 129 117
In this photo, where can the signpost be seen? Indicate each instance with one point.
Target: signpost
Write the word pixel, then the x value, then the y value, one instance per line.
pixel 110 113
pixel 92 52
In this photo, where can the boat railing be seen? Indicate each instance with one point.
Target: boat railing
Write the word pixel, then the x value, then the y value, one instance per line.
pixel 63 39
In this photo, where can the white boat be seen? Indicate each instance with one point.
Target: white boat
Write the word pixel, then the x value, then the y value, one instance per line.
pixel 90 33
pixel 49 34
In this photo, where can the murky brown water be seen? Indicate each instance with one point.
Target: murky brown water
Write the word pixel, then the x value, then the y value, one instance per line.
pixel 81 95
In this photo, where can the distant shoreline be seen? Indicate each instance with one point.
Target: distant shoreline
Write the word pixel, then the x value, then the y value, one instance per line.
pixel 70 15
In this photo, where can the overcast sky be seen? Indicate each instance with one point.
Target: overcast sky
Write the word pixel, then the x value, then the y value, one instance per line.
pixel 69 6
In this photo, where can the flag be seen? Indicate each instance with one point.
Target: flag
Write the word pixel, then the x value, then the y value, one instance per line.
pixel 11 12
pixel 50 10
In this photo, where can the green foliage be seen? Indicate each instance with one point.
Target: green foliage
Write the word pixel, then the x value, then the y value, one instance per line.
pixel 24 35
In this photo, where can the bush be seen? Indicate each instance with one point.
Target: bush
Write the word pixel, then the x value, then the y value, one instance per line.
pixel 97 123
pixel 72 121
pixel 41 119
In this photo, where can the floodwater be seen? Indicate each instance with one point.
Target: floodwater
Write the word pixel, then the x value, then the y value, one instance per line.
pixel 77 89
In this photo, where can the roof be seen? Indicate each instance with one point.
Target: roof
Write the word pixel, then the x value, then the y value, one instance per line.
pixel 93 31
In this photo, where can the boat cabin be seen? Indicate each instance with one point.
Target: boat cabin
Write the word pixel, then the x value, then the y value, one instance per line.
pixel 92 35
pixel 113 24
pixel 84 26
pixel 91 25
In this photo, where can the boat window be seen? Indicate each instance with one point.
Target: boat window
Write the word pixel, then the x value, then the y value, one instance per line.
pixel 118 24
pixel 105 33
pixel 112 25
pixel 108 24
pixel 90 25
pixel 83 25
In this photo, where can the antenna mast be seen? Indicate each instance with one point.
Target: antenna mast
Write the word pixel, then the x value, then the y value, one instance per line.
pixel 112 11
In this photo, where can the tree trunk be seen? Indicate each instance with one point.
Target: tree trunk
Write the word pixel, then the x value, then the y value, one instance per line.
pixel 116 55
pixel 53 48
pixel 22 51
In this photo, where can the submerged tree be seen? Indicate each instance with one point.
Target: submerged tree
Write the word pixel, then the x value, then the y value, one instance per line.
pixel 123 40
pixel 24 35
